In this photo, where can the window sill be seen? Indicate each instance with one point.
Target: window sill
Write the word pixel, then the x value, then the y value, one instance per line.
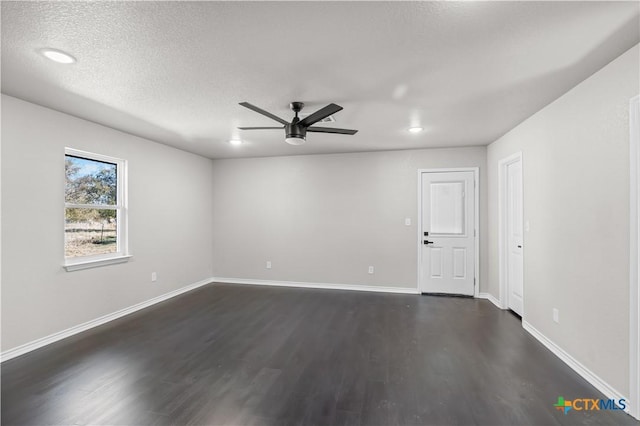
pixel 86 264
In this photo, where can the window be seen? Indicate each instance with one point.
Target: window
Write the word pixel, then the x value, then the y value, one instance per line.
pixel 95 210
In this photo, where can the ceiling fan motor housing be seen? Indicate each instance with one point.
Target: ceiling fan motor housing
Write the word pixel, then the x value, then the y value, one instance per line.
pixel 296 134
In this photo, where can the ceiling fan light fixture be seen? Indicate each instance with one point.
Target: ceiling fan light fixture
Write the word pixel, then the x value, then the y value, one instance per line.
pixel 295 140
pixel 296 130
pixel 58 56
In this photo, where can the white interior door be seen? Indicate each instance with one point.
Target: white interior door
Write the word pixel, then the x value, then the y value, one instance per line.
pixel 448 233
pixel 515 276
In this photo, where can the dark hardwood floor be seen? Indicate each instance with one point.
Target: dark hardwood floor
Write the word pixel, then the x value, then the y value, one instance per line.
pixel 245 355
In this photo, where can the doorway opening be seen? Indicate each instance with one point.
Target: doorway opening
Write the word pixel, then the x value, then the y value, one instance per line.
pixel 634 258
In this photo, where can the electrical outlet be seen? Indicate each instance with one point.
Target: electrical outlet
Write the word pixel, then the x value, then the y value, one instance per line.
pixel 268 264
pixel 371 269
pixel 407 221
pixel 556 315
pixel 154 277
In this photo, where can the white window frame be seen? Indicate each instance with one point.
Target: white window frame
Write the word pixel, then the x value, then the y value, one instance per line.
pixel 122 249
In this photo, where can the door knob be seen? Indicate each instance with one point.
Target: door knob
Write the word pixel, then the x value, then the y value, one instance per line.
pixel 428 242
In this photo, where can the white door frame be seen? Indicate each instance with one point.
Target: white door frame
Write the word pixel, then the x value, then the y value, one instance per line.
pixel 502 227
pixel 634 258
pixel 476 224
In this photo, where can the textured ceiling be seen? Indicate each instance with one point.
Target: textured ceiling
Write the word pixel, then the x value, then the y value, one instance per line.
pixel 174 72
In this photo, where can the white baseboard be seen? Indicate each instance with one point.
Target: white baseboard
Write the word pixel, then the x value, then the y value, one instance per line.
pixel 47 340
pixel 326 286
pixel 583 371
pixel 490 298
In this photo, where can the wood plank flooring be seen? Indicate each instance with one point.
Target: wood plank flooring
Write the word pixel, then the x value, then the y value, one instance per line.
pixel 247 355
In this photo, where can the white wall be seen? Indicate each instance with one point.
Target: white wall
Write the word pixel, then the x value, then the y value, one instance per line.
pixel 576 199
pixel 326 218
pixel 169 220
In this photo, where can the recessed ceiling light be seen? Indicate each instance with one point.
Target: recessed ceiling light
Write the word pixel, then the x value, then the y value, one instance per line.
pixel 58 56
pixel 415 129
pixel 235 142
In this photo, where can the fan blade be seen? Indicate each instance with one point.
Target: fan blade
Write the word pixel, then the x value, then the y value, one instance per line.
pixel 263 112
pixel 260 128
pixel 331 130
pixel 320 114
